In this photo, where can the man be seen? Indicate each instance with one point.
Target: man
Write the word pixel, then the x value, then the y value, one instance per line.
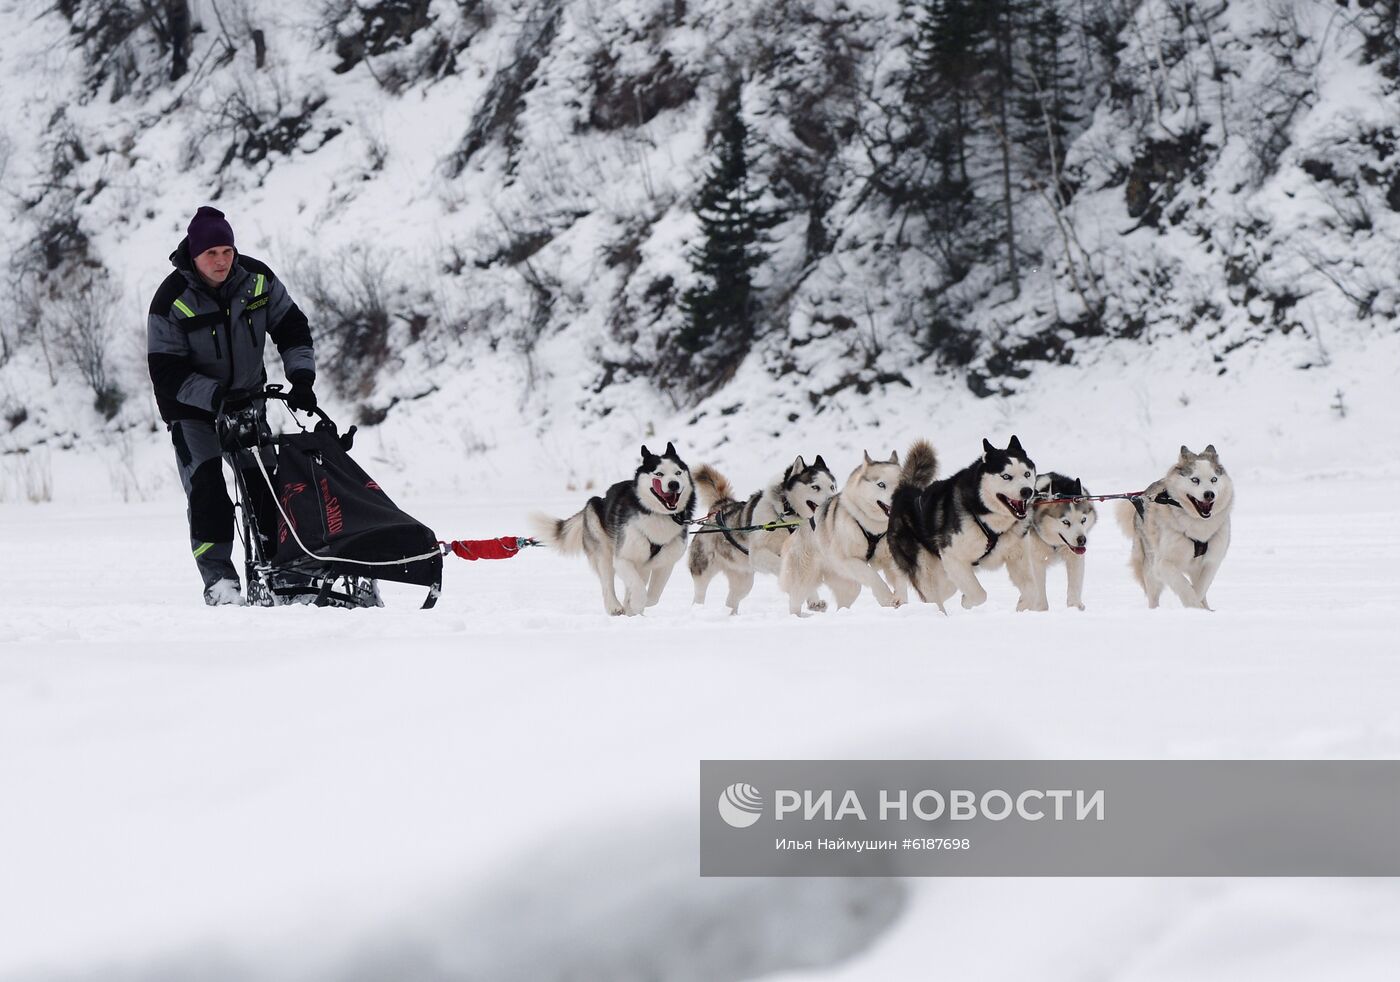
pixel 204 345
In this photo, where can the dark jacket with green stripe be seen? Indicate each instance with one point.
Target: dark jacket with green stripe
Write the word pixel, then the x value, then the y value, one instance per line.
pixel 203 342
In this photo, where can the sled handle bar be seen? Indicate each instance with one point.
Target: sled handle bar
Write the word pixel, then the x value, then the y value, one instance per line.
pixel 324 424
pixel 323 421
pixel 274 391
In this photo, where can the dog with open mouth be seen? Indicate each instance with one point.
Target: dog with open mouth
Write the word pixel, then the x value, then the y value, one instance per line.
pixel 1180 528
pixel 943 531
pixel 1059 533
pixel 793 498
pixel 636 531
pixel 844 544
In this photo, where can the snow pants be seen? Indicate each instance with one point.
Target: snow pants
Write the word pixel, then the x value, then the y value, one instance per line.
pixel 199 456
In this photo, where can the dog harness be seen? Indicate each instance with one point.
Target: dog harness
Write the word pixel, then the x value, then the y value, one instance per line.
pixel 790 512
pixel 680 520
pixel 728 532
pixel 1165 499
pixel 729 535
pixel 992 537
pixel 872 541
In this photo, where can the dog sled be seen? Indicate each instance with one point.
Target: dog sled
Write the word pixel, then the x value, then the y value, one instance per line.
pixel 316 529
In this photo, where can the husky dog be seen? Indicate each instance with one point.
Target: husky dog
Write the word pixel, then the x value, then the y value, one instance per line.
pixel 941 531
pixel 844 544
pixel 637 530
pixel 795 496
pixel 1180 528
pixel 1059 533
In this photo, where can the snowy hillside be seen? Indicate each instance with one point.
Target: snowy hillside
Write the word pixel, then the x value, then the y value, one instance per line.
pixel 487 208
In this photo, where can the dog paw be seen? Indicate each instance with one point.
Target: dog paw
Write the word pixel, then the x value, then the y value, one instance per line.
pixel 970 602
pixel 614 611
pixel 816 606
pixel 1077 606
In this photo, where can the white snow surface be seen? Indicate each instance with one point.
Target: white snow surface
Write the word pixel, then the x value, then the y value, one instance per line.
pixel 505 787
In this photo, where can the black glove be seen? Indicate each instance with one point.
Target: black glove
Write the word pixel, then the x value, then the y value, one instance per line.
pixel 234 401
pixel 302 397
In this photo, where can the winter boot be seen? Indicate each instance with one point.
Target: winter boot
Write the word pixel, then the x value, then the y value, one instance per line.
pixel 222 593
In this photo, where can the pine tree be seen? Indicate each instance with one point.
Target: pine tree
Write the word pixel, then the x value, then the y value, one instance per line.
pixel 1043 105
pixel 720 309
pixel 948 56
pixel 942 117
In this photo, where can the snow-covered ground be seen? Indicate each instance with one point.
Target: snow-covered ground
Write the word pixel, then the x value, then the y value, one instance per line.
pixel 506 787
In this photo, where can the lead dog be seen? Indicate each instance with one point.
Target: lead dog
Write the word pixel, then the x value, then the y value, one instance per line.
pixel 844 546
pixel 636 531
pixel 1180 528
pixel 795 497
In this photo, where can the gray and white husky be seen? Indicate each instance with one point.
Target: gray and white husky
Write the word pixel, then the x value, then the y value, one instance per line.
pixel 844 545
pixel 794 497
pixel 637 531
pixel 1059 534
pixel 1181 528
pixel 943 531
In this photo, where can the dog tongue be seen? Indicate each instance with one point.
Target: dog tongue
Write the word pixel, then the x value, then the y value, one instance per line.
pixel 1077 550
pixel 668 498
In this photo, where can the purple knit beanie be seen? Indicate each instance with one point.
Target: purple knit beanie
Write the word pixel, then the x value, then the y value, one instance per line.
pixel 208 228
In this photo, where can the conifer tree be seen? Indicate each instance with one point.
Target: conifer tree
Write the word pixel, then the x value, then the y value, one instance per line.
pixel 942 117
pixel 719 309
pixel 948 57
pixel 1044 106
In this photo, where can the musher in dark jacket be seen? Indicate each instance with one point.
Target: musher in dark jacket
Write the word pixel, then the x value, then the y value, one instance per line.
pixel 204 343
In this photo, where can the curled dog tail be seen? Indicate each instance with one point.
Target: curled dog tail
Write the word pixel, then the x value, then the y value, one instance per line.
pixel 920 465
pixel 564 534
pixel 711 488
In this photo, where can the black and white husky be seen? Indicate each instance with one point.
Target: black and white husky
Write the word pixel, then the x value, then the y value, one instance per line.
pixel 636 531
pixel 942 531
pixel 1181 528
pixel 795 497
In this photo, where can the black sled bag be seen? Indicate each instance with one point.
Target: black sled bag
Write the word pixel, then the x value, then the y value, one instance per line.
pixel 339 513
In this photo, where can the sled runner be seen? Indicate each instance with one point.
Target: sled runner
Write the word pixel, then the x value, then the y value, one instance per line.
pixel 316 529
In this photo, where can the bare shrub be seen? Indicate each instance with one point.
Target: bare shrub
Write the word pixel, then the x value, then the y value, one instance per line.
pixel 254 118
pixel 118 38
pixel 349 299
pixel 401 41
pixel 26 476
pixel 127 480
pixel 83 319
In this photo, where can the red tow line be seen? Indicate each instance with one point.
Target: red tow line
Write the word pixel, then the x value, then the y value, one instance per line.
pixel 504 547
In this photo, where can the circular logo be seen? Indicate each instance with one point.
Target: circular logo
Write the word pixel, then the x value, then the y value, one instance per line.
pixel 740 805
